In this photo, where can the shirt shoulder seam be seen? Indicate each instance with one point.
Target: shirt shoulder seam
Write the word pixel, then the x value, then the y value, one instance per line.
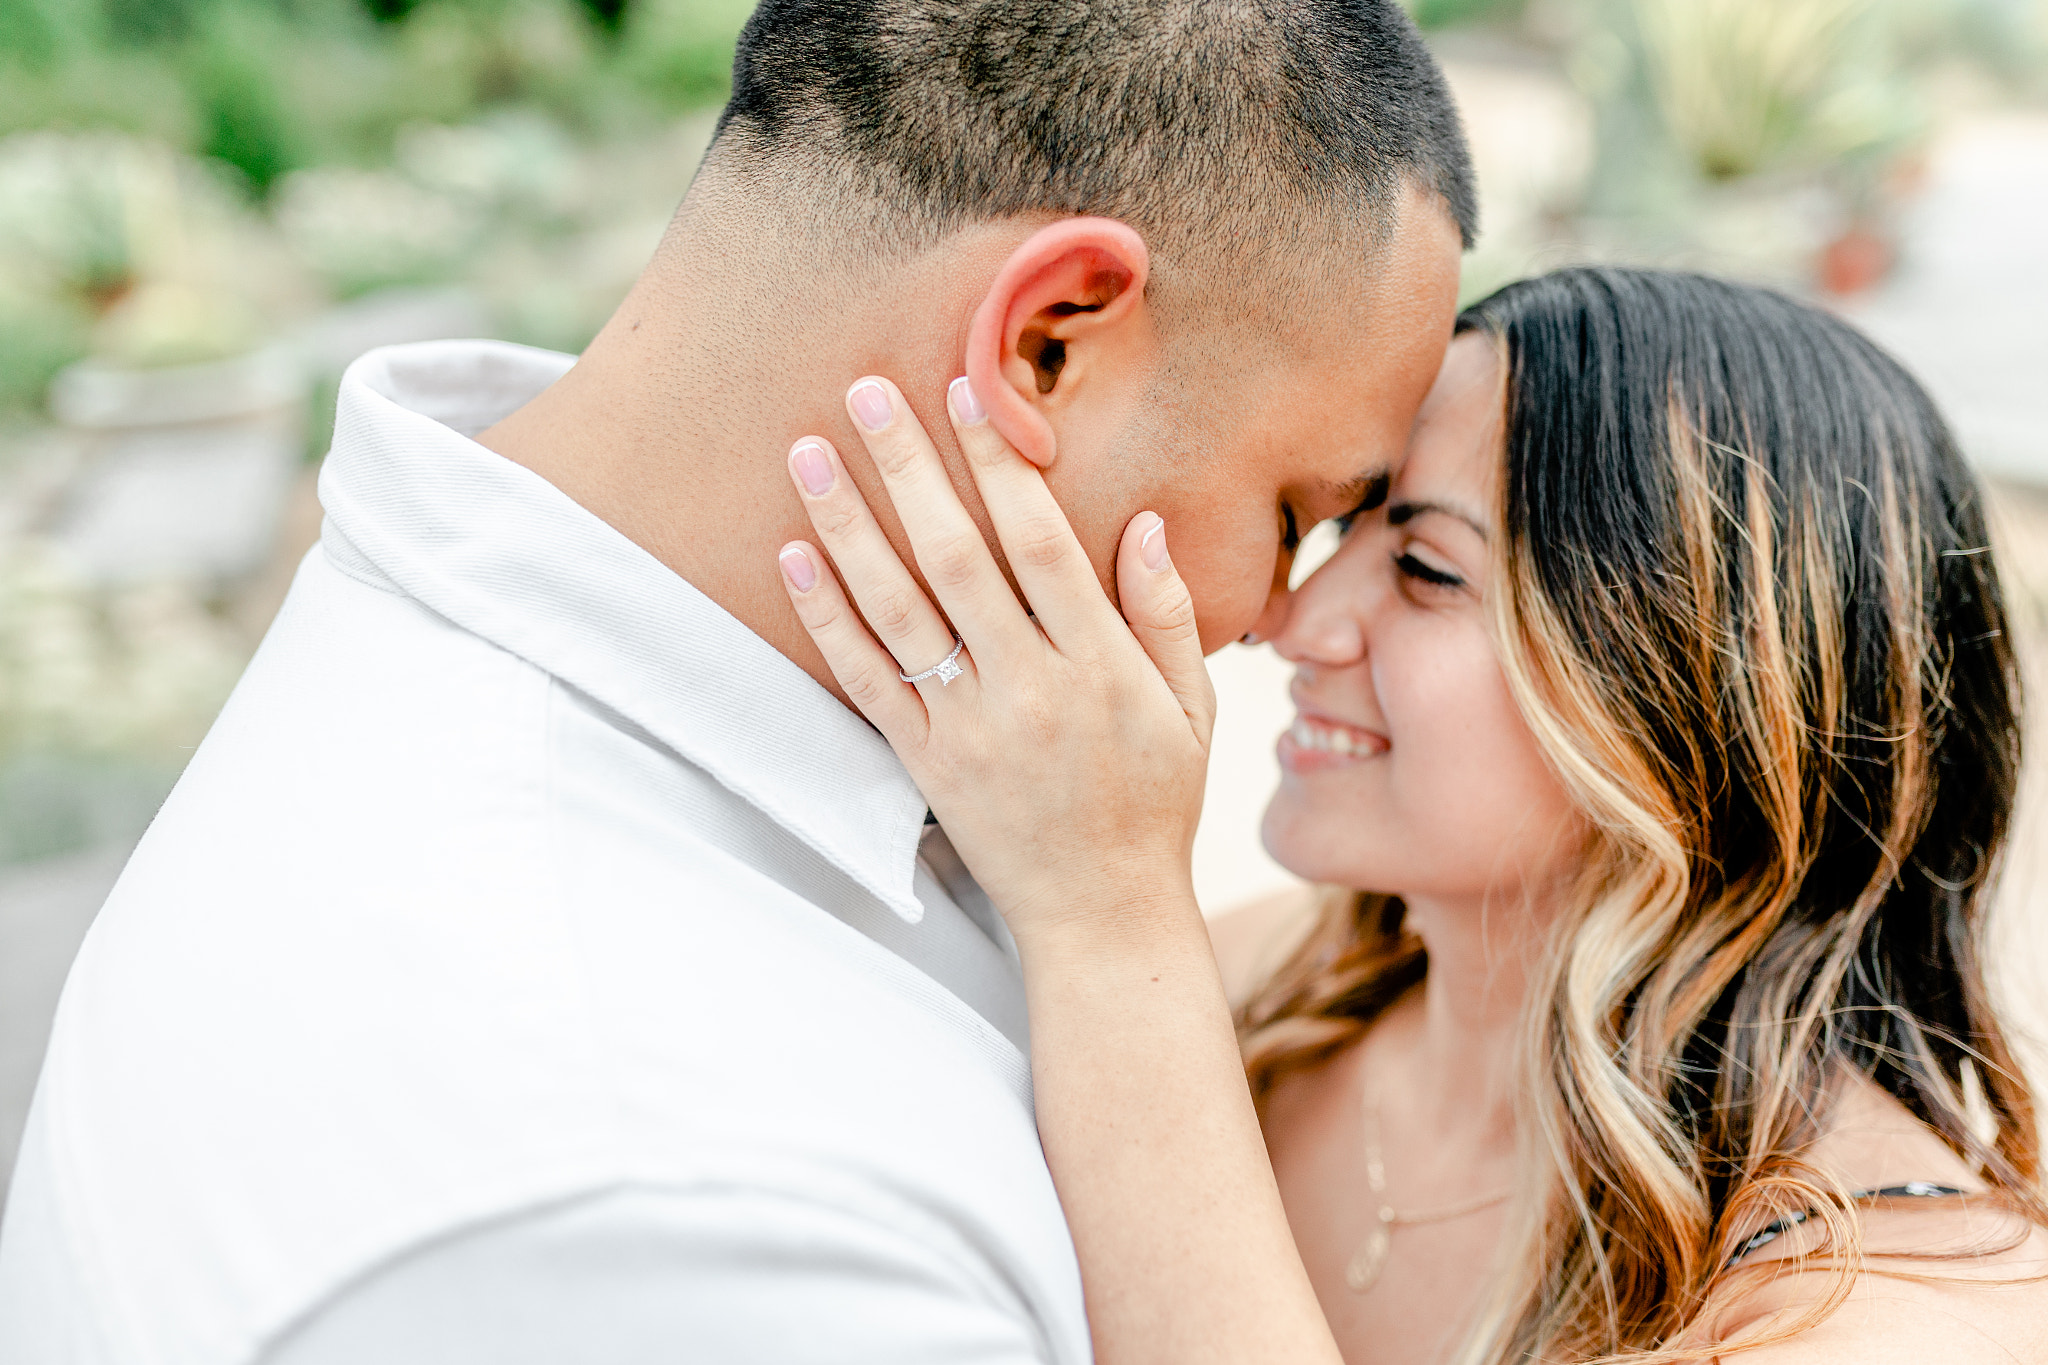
pixel 369 578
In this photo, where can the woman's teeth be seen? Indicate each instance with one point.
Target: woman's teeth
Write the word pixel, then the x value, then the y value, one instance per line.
pixel 1335 739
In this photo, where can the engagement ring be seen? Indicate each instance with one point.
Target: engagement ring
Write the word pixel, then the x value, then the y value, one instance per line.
pixel 945 670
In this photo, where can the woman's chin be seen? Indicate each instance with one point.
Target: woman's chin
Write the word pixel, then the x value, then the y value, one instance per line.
pixel 1289 833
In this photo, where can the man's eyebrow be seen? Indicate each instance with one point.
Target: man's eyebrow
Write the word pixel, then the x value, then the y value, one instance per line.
pixel 1362 494
pixel 1401 513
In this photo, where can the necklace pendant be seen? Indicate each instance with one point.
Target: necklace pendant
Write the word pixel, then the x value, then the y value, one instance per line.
pixel 1371 1257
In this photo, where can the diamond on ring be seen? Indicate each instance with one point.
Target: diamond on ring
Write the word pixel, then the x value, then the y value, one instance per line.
pixel 945 670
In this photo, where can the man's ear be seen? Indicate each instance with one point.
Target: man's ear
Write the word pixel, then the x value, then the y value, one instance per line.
pixel 1059 304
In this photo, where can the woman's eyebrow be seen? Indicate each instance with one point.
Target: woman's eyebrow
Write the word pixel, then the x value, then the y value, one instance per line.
pixel 1401 513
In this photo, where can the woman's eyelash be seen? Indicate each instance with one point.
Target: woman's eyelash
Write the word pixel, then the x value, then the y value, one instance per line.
pixel 1423 573
pixel 1291 535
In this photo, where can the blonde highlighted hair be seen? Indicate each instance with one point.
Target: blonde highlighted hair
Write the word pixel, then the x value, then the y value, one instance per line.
pixel 1743 598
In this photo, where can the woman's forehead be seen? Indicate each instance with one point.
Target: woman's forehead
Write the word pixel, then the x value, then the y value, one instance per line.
pixel 1472 372
pixel 1454 454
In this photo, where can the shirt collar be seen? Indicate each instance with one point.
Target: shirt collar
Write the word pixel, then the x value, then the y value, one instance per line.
pixel 501 552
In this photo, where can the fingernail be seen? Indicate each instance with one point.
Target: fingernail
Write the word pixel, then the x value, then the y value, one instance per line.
pixel 798 569
pixel 813 468
pixel 1152 545
pixel 966 406
pixel 871 405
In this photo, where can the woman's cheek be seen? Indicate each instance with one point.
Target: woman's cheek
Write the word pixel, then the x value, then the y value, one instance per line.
pixel 1511 813
pixel 1457 734
pixel 1431 687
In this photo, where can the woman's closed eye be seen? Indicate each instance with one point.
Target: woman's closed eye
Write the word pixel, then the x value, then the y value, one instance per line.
pixel 1421 572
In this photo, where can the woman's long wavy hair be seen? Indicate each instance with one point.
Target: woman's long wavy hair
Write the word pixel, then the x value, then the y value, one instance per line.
pixel 1744 599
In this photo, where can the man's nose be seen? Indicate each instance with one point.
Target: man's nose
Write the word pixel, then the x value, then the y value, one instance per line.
pixel 1272 618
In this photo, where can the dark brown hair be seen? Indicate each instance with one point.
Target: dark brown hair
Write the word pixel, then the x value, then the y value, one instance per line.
pixel 1746 602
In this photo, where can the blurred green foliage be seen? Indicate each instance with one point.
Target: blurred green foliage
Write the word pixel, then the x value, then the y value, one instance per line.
pixel 378 142
pixel 1692 94
pixel 270 86
pixel 1435 14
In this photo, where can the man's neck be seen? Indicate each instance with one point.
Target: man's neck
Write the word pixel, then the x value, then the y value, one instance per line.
pixel 675 424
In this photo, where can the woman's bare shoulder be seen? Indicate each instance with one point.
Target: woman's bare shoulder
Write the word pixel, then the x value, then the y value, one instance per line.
pixel 1254 939
pixel 1948 1279
pixel 1974 1310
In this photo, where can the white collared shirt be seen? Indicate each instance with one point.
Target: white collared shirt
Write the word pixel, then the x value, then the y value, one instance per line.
pixel 532 965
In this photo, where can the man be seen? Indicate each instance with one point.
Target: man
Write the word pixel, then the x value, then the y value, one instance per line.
pixel 537 962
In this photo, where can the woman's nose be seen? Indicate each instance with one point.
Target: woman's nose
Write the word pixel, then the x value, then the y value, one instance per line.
pixel 1317 623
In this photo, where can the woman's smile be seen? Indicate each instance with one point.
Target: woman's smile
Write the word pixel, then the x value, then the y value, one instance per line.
pixel 1316 743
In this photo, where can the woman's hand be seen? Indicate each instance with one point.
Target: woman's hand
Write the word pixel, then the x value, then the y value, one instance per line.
pixel 1066 759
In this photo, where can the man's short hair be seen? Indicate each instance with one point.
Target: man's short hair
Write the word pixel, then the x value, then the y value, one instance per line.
pixel 1203 123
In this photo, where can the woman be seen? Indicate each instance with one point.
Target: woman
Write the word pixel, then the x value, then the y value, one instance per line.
pixel 1659 730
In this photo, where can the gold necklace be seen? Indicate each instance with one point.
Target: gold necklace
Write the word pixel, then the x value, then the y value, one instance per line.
pixel 1371 1257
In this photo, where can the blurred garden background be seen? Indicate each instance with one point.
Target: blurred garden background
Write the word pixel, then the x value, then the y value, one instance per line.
pixel 209 207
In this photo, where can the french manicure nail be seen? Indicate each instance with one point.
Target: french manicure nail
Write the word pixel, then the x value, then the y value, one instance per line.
pixel 966 404
pixel 798 569
pixel 813 468
pixel 871 405
pixel 1152 545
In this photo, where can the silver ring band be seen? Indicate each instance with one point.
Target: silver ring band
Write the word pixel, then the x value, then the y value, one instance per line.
pixel 945 670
